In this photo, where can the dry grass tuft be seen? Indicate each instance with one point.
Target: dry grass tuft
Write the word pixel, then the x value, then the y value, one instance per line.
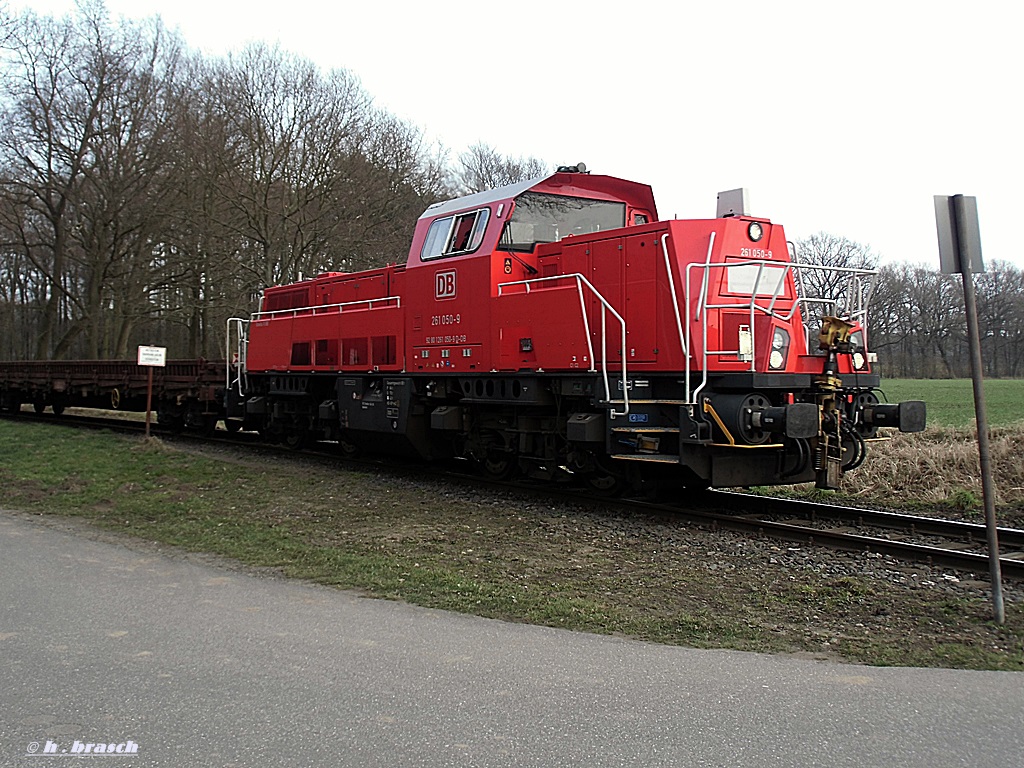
pixel 941 466
pixel 153 444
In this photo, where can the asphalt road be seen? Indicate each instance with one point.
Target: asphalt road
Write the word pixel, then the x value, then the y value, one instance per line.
pixel 197 663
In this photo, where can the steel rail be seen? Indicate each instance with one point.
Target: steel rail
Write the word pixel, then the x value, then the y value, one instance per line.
pixel 1010 538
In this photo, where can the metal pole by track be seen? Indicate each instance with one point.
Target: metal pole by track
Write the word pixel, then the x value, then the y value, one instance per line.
pixel 956 220
pixel 984 456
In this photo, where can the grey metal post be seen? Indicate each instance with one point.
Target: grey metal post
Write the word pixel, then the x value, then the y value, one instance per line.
pixel 987 490
pixel 963 236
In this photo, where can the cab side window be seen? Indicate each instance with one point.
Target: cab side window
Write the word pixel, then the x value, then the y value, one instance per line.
pixel 454 235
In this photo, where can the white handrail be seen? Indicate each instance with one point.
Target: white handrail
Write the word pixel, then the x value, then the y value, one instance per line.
pixel 241 351
pixel 763 303
pixel 703 297
pixel 675 298
pixel 607 308
pixel 318 309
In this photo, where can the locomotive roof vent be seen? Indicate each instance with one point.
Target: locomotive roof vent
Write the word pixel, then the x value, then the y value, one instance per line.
pixel 578 168
pixel 734 202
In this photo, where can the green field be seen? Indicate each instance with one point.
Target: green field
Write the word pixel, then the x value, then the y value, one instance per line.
pixel 951 401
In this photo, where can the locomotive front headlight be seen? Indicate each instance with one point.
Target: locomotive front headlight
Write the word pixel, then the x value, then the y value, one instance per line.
pixel 780 349
pixel 857 351
pixel 755 231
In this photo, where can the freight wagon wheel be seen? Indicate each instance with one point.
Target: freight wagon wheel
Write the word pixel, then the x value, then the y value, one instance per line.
pixel 38 407
pixel 175 422
pixel 57 408
pixel 208 424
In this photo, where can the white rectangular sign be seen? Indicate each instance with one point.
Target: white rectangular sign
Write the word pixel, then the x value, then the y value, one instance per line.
pixel 153 356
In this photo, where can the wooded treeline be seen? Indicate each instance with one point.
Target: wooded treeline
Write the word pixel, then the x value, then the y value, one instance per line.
pixel 918 325
pixel 916 316
pixel 148 193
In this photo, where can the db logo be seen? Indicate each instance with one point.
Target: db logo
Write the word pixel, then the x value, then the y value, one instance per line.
pixel 444 285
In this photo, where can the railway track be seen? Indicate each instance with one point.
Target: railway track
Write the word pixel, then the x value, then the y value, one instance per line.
pixel 949 543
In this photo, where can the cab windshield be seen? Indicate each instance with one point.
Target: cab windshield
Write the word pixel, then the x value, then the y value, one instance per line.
pixel 541 218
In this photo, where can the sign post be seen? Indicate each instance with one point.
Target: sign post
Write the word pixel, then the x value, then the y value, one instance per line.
pixel 151 357
pixel 956 220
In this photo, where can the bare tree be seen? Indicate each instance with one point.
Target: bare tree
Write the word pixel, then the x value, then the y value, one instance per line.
pixel 127 188
pixel 835 253
pixel 1000 292
pixel 891 330
pixel 394 179
pixel 289 172
pixel 45 131
pixel 82 140
pixel 482 167
pixel 202 242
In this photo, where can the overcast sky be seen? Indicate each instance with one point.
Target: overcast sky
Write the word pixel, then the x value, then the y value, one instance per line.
pixel 840 117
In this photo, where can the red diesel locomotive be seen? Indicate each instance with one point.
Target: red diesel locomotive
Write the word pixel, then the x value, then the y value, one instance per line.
pixel 554 327
pixel 557 326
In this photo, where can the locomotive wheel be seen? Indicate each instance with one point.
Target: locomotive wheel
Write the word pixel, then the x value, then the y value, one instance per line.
pixel 296 440
pixel 499 466
pixel 348 449
pixel 233 425
pixel 854 450
pixel 494 458
pixel 606 484
pixel 605 481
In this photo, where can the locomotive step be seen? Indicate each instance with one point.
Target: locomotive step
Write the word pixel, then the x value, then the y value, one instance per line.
pixel 633 401
pixel 646 429
pixel 658 458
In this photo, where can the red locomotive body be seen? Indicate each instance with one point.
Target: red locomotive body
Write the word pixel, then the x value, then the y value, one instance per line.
pixel 554 327
pixel 557 326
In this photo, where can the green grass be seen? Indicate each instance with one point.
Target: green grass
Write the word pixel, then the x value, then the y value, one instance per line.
pixel 435 544
pixel 951 401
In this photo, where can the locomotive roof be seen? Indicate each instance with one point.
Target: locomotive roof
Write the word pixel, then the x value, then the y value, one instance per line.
pixel 480 199
pixel 639 195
